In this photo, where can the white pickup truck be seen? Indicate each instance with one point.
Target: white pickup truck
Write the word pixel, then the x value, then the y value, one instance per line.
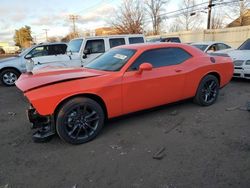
pixel 81 51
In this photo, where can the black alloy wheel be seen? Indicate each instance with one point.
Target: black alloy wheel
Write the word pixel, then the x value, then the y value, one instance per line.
pixel 207 91
pixel 79 120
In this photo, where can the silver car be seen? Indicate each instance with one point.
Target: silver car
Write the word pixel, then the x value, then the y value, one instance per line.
pixel 11 68
pixel 212 46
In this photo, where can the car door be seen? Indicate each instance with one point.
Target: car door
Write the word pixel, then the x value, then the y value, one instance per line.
pixel 94 47
pixel 163 84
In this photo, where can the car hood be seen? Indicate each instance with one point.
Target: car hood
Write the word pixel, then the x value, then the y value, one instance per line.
pixel 44 77
pixel 240 54
pixel 8 59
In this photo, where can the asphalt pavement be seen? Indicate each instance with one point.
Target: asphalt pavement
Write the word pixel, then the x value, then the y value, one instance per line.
pixel 180 145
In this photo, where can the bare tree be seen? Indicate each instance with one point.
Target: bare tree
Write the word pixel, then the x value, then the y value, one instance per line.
pixel 217 20
pixel 189 19
pixel 238 10
pixel 154 9
pixel 175 26
pixel 129 18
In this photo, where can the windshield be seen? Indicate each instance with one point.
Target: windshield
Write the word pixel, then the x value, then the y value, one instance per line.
pixel 200 46
pixel 112 60
pixel 245 45
pixel 74 45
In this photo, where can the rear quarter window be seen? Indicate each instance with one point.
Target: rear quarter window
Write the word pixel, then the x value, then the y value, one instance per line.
pixel 116 42
pixel 161 57
pixel 134 40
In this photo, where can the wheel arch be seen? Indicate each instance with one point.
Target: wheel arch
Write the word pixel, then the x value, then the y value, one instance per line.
pixel 14 68
pixel 92 96
pixel 216 74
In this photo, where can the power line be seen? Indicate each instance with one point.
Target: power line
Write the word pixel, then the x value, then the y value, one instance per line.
pixel 179 12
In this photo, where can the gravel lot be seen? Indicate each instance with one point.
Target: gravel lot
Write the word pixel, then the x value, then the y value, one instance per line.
pixel 204 147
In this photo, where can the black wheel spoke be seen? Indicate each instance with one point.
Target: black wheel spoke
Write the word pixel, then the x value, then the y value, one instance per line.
pixel 77 134
pixel 87 125
pixel 73 130
pixel 90 115
pixel 92 119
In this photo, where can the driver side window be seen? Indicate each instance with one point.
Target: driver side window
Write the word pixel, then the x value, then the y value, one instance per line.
pixel 95 46
pixel 39 51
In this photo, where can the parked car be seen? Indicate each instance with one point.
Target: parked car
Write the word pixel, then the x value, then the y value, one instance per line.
pixel 241 58
pixel 123 80
pixel 81 51
pixel 11 68
pixel 165 39
pixel 210 47
pixel 2 50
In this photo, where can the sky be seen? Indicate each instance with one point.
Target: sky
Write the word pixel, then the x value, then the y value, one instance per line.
pixel 54 16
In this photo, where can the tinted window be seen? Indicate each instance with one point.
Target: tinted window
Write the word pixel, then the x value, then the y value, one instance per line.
pixel 222 46
pixel 113 60
pixel 171 39
pixel 57 49
pixel 116 42
pixel 213 48
pixel 39 51
pixel 245 45
pixel 200 46
pixel 161 57
pixel 134 40
pixel 74 45
pixel 95 46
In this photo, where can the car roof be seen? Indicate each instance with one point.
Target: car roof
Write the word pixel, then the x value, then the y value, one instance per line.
pixel 207 43
pixel 146 46
pixel 110 36
pixel 49 43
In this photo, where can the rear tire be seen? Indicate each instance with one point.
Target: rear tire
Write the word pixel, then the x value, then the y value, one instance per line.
pixel 79 120
pixel 8 77
pixel 207 91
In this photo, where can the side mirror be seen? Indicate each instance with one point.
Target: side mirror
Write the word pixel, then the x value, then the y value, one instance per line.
pixel 28 56
pixel 145 67
pixel 84 56
pixel 86 51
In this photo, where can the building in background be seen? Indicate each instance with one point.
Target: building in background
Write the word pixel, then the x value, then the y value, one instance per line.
pixel 105 31
pixel 244 20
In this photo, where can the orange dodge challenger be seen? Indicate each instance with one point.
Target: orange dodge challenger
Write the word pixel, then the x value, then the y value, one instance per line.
pixel 75 102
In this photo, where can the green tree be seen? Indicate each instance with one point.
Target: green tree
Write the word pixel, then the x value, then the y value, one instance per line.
pixel 23 37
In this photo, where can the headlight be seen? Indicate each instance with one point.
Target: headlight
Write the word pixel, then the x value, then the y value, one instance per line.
pixel 29 65
pixel 238 63
pixel 248 62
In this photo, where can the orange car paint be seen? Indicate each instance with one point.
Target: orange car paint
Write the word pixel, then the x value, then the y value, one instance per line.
pixel 125 91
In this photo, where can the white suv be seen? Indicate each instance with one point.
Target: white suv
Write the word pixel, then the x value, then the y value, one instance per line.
pixel 81 51
pixel 11 68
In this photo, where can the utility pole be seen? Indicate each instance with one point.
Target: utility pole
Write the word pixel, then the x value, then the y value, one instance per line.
pixel 46 34
pixel 210 5
pixel 73 18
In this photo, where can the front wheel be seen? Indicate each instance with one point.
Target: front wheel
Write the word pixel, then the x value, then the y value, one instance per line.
pixel 207 91
pixel 79 120
pixel 9 77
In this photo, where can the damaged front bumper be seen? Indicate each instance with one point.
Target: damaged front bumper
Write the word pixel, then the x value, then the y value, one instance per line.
pixel 44 125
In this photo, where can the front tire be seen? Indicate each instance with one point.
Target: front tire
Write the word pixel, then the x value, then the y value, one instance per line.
pixel 207 91
pixel 9 77
pixel 79 120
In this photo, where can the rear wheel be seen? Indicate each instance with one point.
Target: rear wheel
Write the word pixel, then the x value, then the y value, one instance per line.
pixel 9 77
pixel 207 91
pixel 79 120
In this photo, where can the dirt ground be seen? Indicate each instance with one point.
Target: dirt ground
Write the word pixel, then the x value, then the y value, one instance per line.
pixel 204 147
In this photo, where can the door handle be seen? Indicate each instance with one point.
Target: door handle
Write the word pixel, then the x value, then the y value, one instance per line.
pixel 178 70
